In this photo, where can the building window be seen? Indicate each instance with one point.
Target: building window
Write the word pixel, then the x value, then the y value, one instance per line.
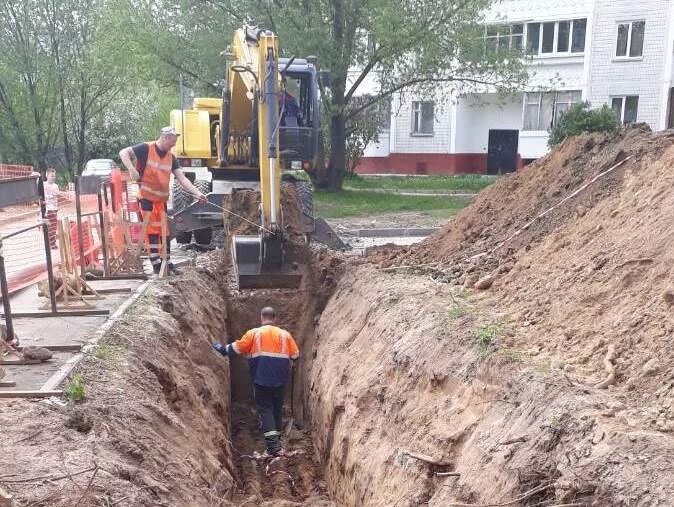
pixel 422 118
pixel 630 43
pixel 625 108
pixel 543 110
pixel 556 37
pixel 503 37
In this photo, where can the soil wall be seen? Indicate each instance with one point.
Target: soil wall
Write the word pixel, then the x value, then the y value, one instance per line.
pixel 398 373
pixel 154 426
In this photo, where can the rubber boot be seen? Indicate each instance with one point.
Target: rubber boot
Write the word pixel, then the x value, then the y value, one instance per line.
pixel 273 445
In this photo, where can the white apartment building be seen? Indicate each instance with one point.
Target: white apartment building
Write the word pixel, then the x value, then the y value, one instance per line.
pixel 614 52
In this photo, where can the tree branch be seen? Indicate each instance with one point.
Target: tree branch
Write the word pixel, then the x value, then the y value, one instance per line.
pixel 225 9
pixel 413 82
pixel 363 74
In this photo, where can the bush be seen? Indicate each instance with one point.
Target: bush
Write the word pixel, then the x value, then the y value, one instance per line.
pixel 580 118
pixel 75 390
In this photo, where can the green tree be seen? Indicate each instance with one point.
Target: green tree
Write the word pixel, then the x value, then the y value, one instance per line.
pixel 61 63
pixel 89 72
pixel 364 128
pixel 183 37
pixel 581 118
pixel 26 96
pixel 431 47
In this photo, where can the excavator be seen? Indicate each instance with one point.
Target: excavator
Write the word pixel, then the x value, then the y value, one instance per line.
pixel 265 123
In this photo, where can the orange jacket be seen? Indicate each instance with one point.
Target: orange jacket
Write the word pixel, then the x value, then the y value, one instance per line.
pixel 154 183
pixel 269 350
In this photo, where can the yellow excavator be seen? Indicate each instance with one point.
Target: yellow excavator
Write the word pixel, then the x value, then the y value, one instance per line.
pixel 265 123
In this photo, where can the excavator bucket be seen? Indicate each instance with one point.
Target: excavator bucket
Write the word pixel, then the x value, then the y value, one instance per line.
pixel 252 273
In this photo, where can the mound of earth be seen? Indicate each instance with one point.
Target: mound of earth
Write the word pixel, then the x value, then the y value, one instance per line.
pixel 244 212
pixel 541 374
pixel 577 276
pixel 581 285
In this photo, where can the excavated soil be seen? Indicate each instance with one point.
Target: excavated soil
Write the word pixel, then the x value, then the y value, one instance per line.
pixel 485 366
pixel 589 283
pixel 157 425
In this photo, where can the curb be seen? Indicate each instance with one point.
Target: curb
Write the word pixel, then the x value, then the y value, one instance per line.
pixel 402 232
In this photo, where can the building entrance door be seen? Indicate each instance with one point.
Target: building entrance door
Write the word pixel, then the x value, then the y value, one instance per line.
pixel 502 151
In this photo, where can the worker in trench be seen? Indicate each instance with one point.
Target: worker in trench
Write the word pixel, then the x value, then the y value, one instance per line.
pixel 271 353
pixel 151 165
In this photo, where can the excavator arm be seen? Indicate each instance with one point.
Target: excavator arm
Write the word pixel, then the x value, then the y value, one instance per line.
pixel 254 76
pixel 237 137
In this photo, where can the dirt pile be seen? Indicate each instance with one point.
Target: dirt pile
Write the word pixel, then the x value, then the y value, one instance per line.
pixel 246 206
pixel 505 207
pixel 550 385
pixel 595 270
pixel 153 426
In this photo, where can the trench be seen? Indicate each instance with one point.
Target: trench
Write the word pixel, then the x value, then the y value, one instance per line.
pixel 298 477
pixel 390 402
pixel 360 398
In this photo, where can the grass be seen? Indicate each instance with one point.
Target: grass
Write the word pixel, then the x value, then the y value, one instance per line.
pixel 75 390
pixel 459 183
pixel 456 312
pixel 356 203
pixel 106 351
pixel 486 337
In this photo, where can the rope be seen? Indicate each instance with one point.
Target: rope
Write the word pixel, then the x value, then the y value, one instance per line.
pixel 242 218
pixel 573 194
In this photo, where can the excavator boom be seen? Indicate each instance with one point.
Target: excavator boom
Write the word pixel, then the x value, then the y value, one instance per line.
pixel 260 260
pixel 246 139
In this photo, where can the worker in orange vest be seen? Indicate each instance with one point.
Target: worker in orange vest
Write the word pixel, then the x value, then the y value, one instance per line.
pixel 271 352
pixel 154 164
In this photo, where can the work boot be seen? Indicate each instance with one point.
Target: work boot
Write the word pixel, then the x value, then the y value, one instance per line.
pixel 172 270
pixel 273 446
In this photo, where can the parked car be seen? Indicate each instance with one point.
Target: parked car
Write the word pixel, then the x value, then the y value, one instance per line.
pixel 99 167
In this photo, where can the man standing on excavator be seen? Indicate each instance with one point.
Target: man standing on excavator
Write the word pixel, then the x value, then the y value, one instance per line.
pixel 271 352
pixel 153 166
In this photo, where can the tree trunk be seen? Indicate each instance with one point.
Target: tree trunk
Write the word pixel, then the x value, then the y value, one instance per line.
pixel 337 152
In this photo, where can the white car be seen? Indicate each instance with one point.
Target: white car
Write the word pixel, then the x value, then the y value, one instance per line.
pixel 99 167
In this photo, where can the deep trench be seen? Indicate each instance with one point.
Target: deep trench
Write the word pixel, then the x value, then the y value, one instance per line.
pixel 297 477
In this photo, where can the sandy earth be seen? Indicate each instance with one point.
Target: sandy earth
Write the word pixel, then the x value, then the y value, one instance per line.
pixel 535 367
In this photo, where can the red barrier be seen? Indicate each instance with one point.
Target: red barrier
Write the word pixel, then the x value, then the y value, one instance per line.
pixel 91 250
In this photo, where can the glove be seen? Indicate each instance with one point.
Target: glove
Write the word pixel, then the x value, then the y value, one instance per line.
pixel 220 349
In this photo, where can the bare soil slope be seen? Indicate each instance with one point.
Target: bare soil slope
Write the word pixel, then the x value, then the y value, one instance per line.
pixel 571 343
pixel 593 271
pixel 155 426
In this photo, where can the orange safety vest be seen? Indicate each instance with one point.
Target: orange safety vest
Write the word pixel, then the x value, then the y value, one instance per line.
pixel 270 341
pixel 269 350
pixel 154 184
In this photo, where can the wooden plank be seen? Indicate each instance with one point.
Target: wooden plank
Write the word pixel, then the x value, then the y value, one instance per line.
pixel 30 394
pixel 59 348
pixel 60 313
pixel 20 362
pixel 115 290
pixel 7 383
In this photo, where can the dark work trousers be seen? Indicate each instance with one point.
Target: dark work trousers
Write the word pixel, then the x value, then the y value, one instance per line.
pixel 269 404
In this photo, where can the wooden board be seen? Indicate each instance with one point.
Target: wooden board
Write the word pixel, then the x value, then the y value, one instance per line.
pixel 7 383
pixel 14 362
pixel 30 394
pixel 58 348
